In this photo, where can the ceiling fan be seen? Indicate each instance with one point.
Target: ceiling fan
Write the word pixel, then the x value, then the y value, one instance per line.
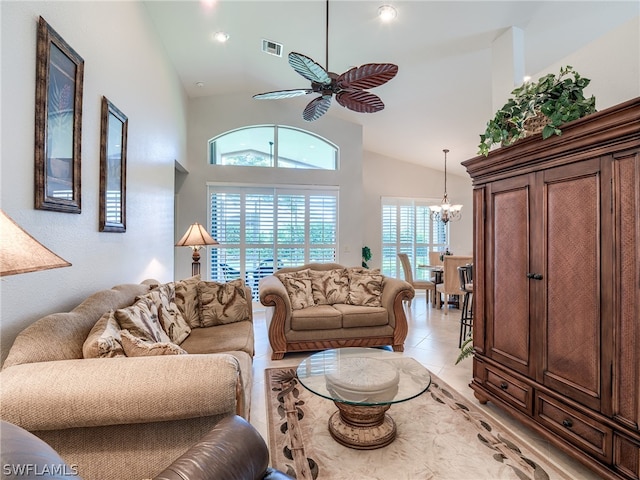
pixel 348 88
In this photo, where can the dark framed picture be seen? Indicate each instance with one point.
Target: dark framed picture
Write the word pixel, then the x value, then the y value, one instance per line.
pixel 113 168
pixel 59 76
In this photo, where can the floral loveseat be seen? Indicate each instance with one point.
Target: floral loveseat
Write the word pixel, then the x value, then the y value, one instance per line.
pixel 326 305
pixel 109 387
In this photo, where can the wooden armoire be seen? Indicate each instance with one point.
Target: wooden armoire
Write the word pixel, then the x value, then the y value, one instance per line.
pixel 557 286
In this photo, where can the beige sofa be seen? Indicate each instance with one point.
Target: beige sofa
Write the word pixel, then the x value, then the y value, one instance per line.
pixel 123 418
pixel 325 319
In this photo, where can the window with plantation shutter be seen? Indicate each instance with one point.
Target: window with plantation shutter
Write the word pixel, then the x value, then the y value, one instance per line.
pixel 407 227
pixel 260 230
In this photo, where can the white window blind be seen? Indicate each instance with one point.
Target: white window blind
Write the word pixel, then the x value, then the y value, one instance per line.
pixel 407 227
pixel 262 229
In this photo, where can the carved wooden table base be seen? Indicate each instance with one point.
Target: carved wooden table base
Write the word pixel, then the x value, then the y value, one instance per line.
pixel 362 427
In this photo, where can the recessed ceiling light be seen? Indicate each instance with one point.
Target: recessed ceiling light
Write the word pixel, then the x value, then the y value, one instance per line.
pixel 221 37
pixel 387 13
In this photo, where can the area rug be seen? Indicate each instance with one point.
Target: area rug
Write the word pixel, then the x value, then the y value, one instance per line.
pixel 440 436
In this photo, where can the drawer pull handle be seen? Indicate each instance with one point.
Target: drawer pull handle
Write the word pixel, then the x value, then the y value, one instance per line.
pixel 504 386
pixel 567 423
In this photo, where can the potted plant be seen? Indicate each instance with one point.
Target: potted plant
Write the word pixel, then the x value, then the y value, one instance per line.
pixel 539 106
pixel 466 349
pixel 366 256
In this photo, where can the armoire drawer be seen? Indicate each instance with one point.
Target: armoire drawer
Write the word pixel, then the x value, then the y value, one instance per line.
pixel 626 456
pixel 577 428
pixel 509 389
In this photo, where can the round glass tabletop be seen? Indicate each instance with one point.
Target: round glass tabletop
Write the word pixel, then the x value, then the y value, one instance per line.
pixel 363 376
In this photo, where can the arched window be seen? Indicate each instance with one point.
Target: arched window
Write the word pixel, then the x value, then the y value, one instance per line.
pixel 273 146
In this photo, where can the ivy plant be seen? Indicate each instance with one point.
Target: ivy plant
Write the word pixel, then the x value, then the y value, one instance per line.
pixel 559 98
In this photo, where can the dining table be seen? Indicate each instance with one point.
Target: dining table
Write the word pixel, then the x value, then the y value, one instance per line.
pixel 436 272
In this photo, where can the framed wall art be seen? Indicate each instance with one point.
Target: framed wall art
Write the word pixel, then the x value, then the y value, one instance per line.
pixel 113 168
pixel 58 118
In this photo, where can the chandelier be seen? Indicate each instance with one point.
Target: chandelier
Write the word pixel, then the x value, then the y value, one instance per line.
pixel 446 212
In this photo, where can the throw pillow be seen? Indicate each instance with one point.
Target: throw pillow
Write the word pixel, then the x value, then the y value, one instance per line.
pixel 141 319
pixel 187 300
pixel 365 289
pixel 296 274
pixel 137 347
pixel 299 291
pixel 222 303
pixel 172 321
pixel 330 286
pixel 104 339
pixel 351 270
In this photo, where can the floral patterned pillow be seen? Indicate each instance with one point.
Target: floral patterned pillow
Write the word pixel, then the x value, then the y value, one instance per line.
pixel 142 320
pixel 299 291
pixel 137 347
pixel 171 319
pixel 329 286
pixel 365 289
pixel 187 300
pixel 222 303
pixel 104 339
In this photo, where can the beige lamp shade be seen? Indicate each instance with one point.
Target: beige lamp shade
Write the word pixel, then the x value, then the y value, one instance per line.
pixel 21 253
pixel 196 236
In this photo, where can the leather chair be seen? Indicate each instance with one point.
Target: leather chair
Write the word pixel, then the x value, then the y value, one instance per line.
pixel 232 450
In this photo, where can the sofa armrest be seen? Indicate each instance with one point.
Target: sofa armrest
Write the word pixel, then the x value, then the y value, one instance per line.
pixel 274 294
pixel 233 450
pixel 394 291
pixel 112 391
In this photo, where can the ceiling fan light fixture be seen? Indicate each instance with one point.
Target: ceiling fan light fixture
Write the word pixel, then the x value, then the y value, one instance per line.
pixel 387 13
pixel 349 87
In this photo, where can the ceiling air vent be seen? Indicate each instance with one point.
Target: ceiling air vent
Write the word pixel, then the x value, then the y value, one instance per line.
pixel 272 48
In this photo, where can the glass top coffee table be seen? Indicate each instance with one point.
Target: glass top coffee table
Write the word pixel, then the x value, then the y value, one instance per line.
pixel 363 383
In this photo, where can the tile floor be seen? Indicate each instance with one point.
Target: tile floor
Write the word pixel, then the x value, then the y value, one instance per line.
pixel 433 341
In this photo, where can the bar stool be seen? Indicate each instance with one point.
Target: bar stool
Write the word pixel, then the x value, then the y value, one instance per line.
pixel 465 273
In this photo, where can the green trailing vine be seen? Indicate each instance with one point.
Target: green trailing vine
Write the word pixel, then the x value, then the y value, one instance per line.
pixel 559 98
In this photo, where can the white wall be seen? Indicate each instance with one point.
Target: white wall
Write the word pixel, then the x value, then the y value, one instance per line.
pixel 362 182
pixel 390 177
pixel 211 116
pixel 612 62
pixel 122 62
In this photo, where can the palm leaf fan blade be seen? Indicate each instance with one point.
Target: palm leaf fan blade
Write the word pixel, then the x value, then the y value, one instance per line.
pixel 316 108
pixel 367 76
pixel 283 94
pixel 309 69
pixel 360 101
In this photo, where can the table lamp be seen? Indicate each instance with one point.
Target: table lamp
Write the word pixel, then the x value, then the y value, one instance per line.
pixel 196 237
pixel 21 253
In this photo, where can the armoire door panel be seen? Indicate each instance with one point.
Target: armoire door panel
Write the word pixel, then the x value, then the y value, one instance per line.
pixel 572 360
pixel 626 401
pixel 509 262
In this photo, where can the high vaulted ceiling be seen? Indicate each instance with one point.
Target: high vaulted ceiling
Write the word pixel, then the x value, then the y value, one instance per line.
pixel 441 97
